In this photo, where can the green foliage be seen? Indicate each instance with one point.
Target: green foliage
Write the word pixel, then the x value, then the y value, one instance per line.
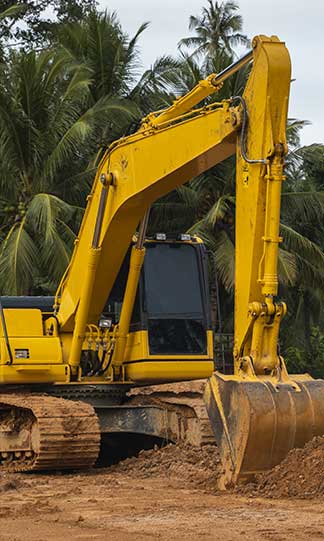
pixel 45 121
pixel 308 359
pixel 313 165
pixel 112 60
pixel 59 109
pixel 73 10
pixel 217 28
pixel 37 28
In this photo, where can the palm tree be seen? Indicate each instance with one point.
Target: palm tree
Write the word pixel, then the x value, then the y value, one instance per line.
pixel 47 136
pixel 303 214
pixel 112 60
pixel 217 30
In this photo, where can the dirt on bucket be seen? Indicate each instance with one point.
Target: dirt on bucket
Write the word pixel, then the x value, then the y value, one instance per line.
pixel 299 475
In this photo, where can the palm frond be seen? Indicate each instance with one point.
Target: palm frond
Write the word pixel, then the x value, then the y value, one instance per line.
pixel 43 212
pixel 18 261
pixel 287 268
pixel 219 209
pixel 303 248
pixel 304 207
pixel 12 11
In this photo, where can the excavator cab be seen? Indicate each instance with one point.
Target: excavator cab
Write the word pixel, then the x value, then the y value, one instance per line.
pixel 172 302
pixel 170 334
pixel 171 315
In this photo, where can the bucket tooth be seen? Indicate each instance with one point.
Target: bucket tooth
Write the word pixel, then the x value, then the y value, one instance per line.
pixel 257 422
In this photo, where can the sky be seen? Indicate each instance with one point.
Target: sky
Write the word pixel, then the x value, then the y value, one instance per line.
pixel 297 22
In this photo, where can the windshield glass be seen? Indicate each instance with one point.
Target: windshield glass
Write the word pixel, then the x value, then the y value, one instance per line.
pixel 172 285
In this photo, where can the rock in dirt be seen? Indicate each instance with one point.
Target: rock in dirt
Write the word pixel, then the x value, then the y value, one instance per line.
pixel 299 475
pixel 11 484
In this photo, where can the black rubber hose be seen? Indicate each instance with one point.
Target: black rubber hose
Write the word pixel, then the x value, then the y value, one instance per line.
pixel 102 371
pixel 5 332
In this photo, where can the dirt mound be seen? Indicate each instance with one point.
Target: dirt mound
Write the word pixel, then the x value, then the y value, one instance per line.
pixel 195 466
pixel 299 475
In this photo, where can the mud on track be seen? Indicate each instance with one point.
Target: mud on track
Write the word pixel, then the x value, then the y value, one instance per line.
pixel 164 494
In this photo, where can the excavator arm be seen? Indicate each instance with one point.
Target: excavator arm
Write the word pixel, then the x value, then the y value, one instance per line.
pixel 261 412
pixel 170 148
pixel 135 172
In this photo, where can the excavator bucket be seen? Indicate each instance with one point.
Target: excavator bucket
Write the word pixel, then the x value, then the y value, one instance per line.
pixel 256 423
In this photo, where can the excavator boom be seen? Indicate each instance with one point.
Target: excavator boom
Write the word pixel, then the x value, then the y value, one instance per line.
pixel 140 169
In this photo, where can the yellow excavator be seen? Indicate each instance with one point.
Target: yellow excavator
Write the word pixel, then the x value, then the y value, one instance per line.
pixel 65 371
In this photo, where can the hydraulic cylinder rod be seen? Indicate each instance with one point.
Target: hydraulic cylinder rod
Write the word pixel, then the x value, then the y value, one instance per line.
pixel 135 266
pixel 201 91
pixel 92 264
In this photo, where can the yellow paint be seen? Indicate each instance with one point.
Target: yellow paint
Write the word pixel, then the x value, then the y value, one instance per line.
pixel 258 191
pixel 164 371
pixel 27 322
pixel 38 373
pixel 135 266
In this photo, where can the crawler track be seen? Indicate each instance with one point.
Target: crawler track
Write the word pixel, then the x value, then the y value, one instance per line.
pixel 39 432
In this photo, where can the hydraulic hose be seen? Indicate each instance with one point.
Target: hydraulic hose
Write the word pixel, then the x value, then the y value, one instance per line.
pixel 5 333
pixel 243 135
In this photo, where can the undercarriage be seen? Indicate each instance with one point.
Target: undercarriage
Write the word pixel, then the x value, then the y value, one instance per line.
pixel 76 426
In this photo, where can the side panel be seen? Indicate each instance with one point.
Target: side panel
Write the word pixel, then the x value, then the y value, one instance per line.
pixel 36 358
pixel 141 367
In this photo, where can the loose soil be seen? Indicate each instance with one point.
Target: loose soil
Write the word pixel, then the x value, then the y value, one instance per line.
pixel 166 494
pixel 299 475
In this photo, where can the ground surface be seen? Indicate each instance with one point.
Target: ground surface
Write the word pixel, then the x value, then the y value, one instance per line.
pixel 165 494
